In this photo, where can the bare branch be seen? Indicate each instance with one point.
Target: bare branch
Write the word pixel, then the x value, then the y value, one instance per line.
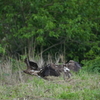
pixel 52 46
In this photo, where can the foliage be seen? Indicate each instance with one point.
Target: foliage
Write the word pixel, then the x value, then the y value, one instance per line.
pixel 2 50
pixel 43 26
pixel 92 65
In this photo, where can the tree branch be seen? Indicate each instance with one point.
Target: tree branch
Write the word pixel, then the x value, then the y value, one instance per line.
pixel 52 46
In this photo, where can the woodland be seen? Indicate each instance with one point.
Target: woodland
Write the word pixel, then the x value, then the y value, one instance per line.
pixel 42 27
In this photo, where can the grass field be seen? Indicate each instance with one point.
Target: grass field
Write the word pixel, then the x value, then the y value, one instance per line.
pixel 15 85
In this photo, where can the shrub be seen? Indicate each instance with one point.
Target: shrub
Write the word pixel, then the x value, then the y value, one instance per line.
pixel 92 65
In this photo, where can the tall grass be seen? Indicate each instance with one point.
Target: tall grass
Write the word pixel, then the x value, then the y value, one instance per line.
pixel 15 85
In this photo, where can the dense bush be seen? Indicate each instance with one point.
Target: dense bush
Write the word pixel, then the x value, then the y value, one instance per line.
pixel 92 65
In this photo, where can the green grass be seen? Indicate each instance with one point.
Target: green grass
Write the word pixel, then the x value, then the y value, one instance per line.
pixel 19 86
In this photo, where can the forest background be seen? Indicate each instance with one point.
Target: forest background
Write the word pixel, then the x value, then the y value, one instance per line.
pixel 51 27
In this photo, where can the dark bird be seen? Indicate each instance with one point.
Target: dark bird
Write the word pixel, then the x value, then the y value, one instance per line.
pixel 30 64
pixel 73 65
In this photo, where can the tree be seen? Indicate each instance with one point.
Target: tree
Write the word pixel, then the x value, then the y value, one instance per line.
pixel 70 27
